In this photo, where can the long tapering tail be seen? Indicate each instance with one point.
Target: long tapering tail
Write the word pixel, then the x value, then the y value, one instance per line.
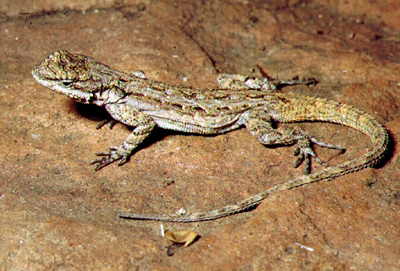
pixel 316 110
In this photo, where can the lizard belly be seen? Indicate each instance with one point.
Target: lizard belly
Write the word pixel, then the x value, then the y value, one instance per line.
pixel 197 123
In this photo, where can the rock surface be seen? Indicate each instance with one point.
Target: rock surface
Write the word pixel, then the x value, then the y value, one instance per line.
pixel 58 213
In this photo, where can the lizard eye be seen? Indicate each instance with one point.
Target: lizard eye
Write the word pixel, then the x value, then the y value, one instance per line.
pixel 66 83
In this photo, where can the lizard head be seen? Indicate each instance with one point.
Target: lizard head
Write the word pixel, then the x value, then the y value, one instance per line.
pixel 68 74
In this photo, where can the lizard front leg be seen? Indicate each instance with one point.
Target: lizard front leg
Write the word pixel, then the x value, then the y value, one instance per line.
pixel 143 126
pixel 259 125
pixel 111 122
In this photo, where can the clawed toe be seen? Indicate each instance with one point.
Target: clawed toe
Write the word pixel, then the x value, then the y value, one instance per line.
pixel 304 152
pixel 109 157
pixel 109 122
pixel 104 161
pixel 101 163
pixel 123 160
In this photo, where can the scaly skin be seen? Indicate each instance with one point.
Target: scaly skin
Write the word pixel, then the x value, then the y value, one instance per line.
pixel 142 103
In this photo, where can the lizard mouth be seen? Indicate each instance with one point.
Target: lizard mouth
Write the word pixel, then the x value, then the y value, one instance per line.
pixel 61 87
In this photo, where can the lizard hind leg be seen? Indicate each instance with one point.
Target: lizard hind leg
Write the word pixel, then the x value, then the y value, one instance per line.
pixel 259 125
pixel 237 81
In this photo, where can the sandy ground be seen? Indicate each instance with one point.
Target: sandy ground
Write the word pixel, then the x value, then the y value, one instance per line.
pixel 57 213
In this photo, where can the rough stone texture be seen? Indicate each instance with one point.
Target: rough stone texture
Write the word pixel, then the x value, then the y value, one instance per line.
pixel 57 213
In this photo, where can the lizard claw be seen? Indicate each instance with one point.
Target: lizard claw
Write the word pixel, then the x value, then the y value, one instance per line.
pixel 304 152
pixel 110 157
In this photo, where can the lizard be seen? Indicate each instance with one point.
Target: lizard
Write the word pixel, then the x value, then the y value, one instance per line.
pixel 134 100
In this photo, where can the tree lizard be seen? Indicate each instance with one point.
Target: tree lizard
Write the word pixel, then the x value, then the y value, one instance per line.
pixel 254 103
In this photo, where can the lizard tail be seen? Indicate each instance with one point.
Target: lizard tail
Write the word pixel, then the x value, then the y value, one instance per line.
pixel 314 109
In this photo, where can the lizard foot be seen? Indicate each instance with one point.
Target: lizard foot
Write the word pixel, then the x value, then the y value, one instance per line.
pixel 115 153
pixel 109 122
pixel 304 152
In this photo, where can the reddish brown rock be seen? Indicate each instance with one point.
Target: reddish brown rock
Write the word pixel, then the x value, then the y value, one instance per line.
pixel 57 213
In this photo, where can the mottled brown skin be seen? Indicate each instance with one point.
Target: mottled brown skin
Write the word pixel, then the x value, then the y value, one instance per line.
pixel 142 103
